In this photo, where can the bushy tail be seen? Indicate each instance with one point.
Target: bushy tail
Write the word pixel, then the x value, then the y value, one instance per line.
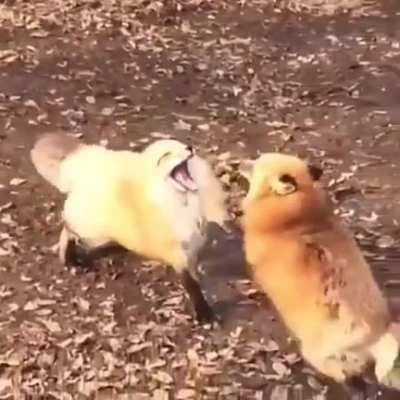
pixel 386 352
pixel 392 378
pixel 48 153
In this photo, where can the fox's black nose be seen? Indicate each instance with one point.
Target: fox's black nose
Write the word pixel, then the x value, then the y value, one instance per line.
pixel 190 148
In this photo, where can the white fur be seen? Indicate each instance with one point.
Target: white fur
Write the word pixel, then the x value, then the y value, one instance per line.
pixel 186 214
pixel 99 210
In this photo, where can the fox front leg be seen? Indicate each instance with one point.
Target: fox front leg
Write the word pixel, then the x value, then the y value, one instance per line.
pixel 66 247
pixel 204 312
pixel 69 252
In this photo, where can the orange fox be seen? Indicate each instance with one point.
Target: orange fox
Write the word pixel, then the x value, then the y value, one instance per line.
pixel 155 203
pixel 312 270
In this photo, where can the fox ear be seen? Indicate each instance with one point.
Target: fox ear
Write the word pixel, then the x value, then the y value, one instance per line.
pixel 315 172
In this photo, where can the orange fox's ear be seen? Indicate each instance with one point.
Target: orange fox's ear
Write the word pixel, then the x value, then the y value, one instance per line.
pixel 315 172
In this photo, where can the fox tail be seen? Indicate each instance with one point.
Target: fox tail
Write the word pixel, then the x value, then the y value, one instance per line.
pixel 386 352
pixel 49 152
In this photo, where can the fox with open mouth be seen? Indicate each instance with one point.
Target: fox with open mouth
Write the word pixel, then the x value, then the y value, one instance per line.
pixel 155 203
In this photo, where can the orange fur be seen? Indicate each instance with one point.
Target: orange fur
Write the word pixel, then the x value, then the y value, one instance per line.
pixel 311 268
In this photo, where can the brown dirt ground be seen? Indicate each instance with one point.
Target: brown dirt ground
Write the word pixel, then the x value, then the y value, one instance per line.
pixel 234 80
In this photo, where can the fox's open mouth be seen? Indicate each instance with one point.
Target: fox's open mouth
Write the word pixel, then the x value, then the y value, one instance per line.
pixel 182 179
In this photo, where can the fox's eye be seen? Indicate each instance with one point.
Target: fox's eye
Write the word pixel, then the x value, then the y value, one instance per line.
pixel 286 178
pixel 285 185
pixel 163 157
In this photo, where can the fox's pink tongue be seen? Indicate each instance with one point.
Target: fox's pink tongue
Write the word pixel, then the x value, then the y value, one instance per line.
pixel 185 180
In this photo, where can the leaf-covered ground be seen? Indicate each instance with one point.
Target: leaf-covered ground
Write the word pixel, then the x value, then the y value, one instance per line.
pixel 234 78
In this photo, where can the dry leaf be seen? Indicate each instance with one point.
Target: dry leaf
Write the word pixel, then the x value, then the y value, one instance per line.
pixel 182 125
pixel 17 181
pixel 163 377
pixel 52 326
pixel 184 394
pixel 280 392
pixel 160 394
pixel 4 252
pixel 281 369
pixel 90 100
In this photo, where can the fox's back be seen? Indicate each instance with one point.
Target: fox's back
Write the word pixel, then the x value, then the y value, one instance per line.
pixel 95 176
pixel 95 166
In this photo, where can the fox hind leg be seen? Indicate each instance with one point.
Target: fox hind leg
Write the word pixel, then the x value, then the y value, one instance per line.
pixel 385 351
pixel 345 370
pixel 326 365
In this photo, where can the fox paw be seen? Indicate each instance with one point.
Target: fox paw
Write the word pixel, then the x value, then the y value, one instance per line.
pixel 206 315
